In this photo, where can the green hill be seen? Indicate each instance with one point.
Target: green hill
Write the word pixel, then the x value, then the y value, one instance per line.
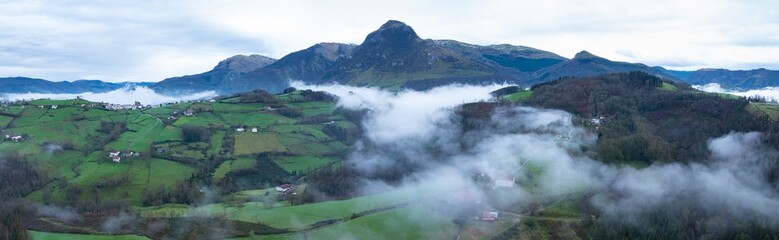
pixel 212 167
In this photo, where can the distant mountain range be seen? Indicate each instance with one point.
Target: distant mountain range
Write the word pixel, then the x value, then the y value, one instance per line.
pixel 395 57
pixel 742 79
pixel 34 85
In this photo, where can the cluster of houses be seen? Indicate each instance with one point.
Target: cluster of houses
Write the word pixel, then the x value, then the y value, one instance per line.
pixel 48 106
pixel 116 156
pixel 135 106
pixel 14 138
pixel 242 129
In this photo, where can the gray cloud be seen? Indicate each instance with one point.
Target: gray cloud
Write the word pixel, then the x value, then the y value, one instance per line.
pixel 115 41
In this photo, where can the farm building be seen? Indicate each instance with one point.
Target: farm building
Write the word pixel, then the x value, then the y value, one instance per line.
pixel 504 182
pixel 488 216
pixel 284 188
pixel 189 112
pixel 254 130
pixel 116 158
pixel 15 138
pixel 240 129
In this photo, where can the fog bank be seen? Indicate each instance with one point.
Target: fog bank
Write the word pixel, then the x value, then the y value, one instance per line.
pixel 423 128
pixel 125 95
pixel 770 93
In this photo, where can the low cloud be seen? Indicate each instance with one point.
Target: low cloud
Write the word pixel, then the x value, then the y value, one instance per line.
pixel 126 95
pixel 423 130
pixel 770 93
pixel 62 214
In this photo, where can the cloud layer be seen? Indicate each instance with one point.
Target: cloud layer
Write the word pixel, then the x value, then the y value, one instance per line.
pixel 422 127
pixel 126 95
pixel 770 93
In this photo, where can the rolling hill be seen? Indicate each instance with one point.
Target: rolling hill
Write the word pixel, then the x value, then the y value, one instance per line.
pixel 586 64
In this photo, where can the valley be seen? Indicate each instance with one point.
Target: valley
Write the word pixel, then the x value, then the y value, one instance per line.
pixel 299 165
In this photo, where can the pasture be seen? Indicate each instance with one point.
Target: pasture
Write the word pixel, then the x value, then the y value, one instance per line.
pixel 301 164
pixel 255 143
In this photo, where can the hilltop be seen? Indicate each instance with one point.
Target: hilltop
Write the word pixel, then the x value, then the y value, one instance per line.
pixel 644 118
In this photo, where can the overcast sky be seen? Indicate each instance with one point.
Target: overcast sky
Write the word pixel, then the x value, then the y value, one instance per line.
pixel 150 41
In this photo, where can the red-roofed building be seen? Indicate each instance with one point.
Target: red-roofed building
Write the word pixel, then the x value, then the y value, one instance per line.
pixel 489 216
pixel 284 188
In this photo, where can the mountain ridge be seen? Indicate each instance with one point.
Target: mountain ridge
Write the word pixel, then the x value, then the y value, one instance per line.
pixel 395 57
pixel 21 85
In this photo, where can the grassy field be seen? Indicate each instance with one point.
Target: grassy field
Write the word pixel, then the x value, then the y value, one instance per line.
pixel 309 130
pixel 231 165
pixel 169 133
pixel 253 143
pixel 142 132
pixel 518 96
pixel 314 108
pixel 67 102
pixel 304 215
pixel 263 120
pixel 667 87
pixel 416 222
pixel 771 110
pixel 200 119
pixel 302 163
pixel 86 165
pixel 300 216
pixel 67 236
pixel 301 144
pixel 217 139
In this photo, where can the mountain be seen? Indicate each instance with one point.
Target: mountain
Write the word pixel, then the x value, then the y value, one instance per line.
pixel 521 58
pixel 586 64
pixel 395 57
pixel 744 79
pixel 307 65
pixel 270 75
pixel 226 71
pixel 35 85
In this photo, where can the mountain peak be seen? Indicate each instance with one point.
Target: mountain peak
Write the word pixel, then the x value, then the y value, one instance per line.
pixel 393 33
pixel 243 63
pixel 393 24
pixel 585 55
